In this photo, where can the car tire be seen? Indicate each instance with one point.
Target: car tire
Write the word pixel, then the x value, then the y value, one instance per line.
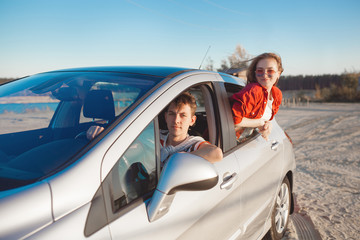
pixel 280 215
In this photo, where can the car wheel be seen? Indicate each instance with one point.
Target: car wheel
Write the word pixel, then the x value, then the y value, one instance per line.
pixel 281 212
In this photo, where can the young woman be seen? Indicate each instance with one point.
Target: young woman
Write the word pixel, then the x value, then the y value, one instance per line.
pixel 256 104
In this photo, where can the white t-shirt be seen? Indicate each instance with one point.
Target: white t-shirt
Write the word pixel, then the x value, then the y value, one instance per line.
pixel 191 143
pixel 195 146
pixel 268 110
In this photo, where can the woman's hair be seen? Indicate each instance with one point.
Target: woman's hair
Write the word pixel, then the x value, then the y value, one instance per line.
pixel 251 69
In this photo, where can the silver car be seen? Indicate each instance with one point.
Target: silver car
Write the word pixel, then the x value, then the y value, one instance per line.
pixel 57 184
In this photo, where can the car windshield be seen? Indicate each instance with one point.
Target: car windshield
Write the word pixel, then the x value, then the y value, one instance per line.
pixel 44 118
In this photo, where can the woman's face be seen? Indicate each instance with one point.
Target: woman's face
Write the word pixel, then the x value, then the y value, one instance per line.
pixel 267 73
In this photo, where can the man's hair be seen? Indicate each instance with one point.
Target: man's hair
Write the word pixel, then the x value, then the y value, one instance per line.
pixel 183 99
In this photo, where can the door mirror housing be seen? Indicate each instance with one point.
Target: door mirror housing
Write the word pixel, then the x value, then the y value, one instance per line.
pixel 182 172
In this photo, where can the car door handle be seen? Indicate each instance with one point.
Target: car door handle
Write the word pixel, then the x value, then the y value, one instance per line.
pixel 229 181
pixel 275 145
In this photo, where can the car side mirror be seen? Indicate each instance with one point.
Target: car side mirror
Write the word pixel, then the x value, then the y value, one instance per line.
pixel 182 172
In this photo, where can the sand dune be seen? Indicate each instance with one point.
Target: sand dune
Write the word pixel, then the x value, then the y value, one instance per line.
pixel 327 182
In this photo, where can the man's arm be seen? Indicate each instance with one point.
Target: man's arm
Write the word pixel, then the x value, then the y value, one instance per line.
pixel 210 152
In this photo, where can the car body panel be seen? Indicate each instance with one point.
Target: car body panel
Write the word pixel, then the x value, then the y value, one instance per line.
pixel 75 187
pixel 70 226
pixel 146 70
pixel 259 177
pixel 18 222
pixel 73 201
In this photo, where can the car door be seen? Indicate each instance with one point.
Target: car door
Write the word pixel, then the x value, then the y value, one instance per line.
pixel 260 171
pixel 221 217
pixel 209 214
pixel 260 164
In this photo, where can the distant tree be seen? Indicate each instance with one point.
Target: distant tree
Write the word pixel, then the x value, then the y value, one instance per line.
pixel 328 87
pixel 4 80
pixel 224 66
pixel 345 92
pixel 209 64
pixel 309 82
pixel 239 59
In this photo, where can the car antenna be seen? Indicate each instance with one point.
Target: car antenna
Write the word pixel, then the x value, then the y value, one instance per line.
pixel 204 56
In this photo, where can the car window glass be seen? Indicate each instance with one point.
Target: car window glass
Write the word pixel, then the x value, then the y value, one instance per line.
pixel 201 125
pixel 44 118
pixel 25 110
pixel 134 174
pixel 246 133
pixel 122 97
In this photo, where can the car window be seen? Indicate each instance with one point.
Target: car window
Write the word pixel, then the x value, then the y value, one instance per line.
pixel 244 134
pixel 44 118
pixel 201 126
pixel 25 110
pixel 206 119
pixel 134 174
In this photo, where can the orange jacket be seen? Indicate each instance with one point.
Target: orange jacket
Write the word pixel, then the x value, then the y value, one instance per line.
pixel 251 101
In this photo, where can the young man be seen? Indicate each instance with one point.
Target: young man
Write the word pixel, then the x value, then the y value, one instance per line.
pixel 180 115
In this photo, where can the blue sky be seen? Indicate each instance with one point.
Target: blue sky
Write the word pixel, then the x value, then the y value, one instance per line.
pixel 313 37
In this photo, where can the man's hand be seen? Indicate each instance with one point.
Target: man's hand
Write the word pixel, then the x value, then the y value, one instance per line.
pixel 93 131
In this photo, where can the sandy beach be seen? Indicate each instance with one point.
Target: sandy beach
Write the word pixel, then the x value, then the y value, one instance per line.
pixel 326 141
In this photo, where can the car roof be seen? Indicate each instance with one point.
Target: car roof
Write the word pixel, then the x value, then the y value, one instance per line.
pixel 147 70
pixel 156 71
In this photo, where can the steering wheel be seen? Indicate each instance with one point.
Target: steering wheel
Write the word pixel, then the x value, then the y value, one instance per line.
pixel 81 135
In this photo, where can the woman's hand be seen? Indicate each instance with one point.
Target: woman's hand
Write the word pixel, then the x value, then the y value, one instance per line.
pixel 265 130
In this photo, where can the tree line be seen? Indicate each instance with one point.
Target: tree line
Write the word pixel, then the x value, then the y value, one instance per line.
pixel 330 88
pixel 4 80
pixel 309 82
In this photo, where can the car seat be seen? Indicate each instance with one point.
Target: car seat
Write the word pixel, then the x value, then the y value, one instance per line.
pixel 99 104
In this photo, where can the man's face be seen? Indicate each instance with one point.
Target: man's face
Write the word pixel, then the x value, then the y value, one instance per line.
pixel 178 120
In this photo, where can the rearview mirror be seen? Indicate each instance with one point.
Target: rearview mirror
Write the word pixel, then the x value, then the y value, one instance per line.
pixel 66 94
pixel 182 172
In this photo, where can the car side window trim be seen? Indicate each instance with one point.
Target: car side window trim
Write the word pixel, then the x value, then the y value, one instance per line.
pixel 120 194
pixel 227 130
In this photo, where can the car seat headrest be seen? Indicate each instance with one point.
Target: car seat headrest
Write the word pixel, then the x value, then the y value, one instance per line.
pixel 99 104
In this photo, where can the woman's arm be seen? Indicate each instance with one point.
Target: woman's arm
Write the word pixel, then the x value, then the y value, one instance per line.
pixel 264 127
pixel 248 122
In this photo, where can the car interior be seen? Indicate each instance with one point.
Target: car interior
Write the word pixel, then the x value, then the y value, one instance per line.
pixel 28 152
